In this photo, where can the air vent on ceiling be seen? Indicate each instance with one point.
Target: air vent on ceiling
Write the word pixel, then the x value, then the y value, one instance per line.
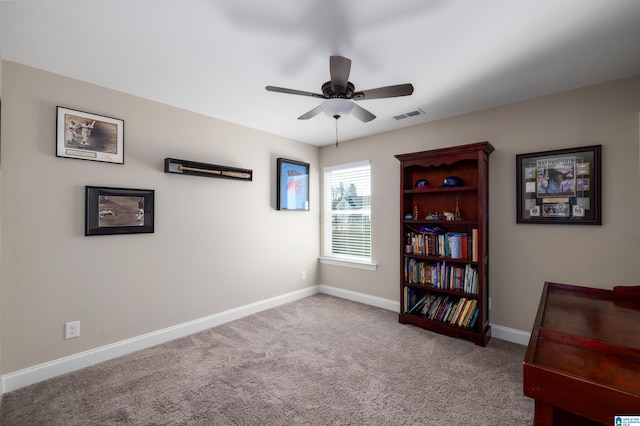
pixel 409 114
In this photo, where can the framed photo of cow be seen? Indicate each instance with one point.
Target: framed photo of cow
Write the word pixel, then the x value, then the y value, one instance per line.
pixel 118 211
pixel 560 186
pixel 88 136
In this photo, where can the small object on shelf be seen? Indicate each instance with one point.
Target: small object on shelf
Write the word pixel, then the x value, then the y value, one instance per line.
pixel 415 213
pixel 452 182
pixel 448 215
pixel 422 184
pixel 408 217
pixel 433 216
pixel 458 215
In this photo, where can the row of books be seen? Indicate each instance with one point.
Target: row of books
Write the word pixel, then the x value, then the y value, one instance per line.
pixel 441 275
pixel 459 311
pixel 455 245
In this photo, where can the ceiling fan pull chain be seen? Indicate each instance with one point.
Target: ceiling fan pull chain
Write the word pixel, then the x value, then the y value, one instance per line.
pixel 336 132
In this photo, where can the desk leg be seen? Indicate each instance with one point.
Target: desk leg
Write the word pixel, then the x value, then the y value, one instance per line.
pixel 543 414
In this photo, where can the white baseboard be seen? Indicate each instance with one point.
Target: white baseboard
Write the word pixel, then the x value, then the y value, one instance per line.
pixel 31 375
pixel 366 299
pixel 510 334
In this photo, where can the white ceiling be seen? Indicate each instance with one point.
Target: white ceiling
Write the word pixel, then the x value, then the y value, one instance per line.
pixel 215 57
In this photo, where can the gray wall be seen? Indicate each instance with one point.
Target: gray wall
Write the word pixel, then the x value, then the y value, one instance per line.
pixel 219 243
pixel 522 257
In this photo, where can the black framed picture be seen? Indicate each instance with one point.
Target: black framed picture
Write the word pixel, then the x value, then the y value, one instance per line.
pixel 118 211
pixel 293 185
pixel 88 136
pixel 560 186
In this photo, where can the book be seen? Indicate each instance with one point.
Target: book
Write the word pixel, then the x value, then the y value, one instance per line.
pixel 406 269
pixel 431 245
pixel 467 305
pixel 455 250
pixel 442 309
pixel 474 318
pixel 427 304
pixel 454 307
pixel 419 303
pixel 446 312
pixel 464 246
pixel 411 298
pixel 474 245
pixel 442 248
pixel 467 317
pixel 434 306
pixel 404 308
pixel 455 315
pixel 470 280
pixel 432 229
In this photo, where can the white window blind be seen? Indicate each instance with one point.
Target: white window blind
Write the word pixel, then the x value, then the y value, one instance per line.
pixel 347 212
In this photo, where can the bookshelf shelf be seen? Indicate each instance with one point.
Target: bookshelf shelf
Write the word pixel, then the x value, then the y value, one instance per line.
pixel 438 259
pixel 440 222
pixel 449 330
pixel 443 190
pixel 433 289
pixel 445 262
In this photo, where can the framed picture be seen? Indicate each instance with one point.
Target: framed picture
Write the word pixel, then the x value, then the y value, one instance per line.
pixel 293 185
pixel 118 211
pixel 563 189
pixel 87 136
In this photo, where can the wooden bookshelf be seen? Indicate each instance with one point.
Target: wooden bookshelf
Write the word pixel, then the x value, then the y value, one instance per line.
pixel 435 247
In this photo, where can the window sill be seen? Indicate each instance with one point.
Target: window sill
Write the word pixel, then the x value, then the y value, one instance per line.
pixel 349 263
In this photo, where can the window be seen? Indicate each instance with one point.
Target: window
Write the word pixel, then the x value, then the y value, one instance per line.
pixel 347 212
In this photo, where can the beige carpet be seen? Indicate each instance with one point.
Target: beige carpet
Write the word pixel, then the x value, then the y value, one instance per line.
pixel 317 361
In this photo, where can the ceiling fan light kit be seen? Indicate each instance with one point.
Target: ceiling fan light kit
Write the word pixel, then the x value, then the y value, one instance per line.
pixel 337 107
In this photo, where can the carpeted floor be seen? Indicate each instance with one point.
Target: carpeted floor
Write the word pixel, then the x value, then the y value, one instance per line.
pixel 317 361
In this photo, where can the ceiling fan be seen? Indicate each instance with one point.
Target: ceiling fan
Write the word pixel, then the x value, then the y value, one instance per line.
pixel 339 93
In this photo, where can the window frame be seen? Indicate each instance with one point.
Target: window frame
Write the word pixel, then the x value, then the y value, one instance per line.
pixel 328 257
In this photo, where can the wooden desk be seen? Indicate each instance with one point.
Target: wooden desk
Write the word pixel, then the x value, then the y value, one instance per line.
pixel 582 365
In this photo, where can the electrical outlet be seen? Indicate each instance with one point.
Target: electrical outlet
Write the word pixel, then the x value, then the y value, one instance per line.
pixel 72 329
pixel 303 275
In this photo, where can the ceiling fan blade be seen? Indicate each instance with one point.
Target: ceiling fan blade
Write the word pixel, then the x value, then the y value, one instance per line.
pixel 317 110
pixel 384 92
pixel 362 114
pixel 294 92
pixel 340 67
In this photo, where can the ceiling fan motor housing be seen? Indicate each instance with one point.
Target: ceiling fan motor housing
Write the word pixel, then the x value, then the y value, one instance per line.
pixel 339 92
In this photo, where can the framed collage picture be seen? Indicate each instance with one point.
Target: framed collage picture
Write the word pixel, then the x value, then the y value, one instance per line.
pixel 560 186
